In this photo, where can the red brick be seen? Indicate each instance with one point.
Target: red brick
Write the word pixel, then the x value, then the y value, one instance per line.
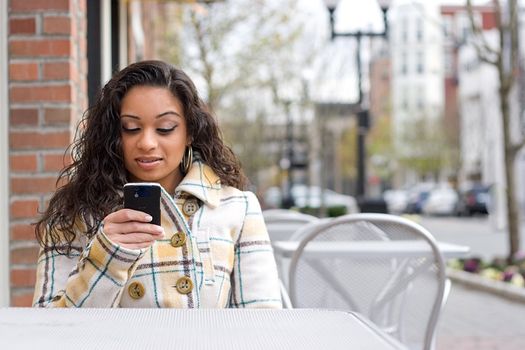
pixel 50 93
pixel 57 25
pixel 24 208
pixel 55 162
pixel 38 140
pixel 23 116
pixel 22 26
pixel 23 71
pixel 57 116
pixel 32 185
pixel 26 255
pixel 39 5
pixel 22 232
pixel 23 277
pixel 41 48
pixel 56 71
pixel 22 300
pixel 23 162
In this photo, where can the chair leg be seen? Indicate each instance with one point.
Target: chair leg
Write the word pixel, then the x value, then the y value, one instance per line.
pixel 446 292
pixel 287 303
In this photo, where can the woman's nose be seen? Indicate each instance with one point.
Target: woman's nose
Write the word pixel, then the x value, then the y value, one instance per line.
pixel 147 141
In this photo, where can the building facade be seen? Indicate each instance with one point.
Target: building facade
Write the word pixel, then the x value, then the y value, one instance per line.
pixel 47 92
pixel 417 76
pixel 482 142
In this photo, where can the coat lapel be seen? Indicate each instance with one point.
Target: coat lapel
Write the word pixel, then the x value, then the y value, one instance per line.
pixel 202 182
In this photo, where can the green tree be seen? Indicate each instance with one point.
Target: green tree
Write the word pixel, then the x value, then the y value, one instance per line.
pixel 237 45
pixel 380 144
pixel 249 63
pixel 424 147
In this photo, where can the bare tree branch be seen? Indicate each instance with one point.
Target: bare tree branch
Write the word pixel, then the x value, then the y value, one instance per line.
pixel 485 53
pixel 517 147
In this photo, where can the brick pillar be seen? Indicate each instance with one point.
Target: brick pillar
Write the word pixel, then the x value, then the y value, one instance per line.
pixel 47 95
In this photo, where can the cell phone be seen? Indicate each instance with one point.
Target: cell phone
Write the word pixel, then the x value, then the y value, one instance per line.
pixel 145 197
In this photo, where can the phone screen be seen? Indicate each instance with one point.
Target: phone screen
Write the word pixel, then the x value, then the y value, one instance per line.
pixel 144 197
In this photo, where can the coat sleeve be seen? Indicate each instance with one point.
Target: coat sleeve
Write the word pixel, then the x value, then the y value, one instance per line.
pixel 92 276
pixel 255 283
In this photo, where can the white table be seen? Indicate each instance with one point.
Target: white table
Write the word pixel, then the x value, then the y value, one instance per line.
pixel 25 328
pixel 367 249
pixel 404 250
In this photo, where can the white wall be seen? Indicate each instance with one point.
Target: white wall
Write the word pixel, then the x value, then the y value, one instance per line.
pixel 4 160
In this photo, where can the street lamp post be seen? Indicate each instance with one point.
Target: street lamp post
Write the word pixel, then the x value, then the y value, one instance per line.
pixel 288 200
pixel 363 117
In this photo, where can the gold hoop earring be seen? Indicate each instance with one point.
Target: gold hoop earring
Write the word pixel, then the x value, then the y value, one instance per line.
pixel 187 159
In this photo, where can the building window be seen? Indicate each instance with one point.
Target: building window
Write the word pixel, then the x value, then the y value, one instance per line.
pixel 404 30
pixel 420 64
pixel 404 64
pixel 447 26
pixel 449 60
pixel 419 30
pixel 465 27
pixel 404 100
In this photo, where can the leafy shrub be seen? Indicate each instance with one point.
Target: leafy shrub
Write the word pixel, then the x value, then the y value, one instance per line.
pixel 335 211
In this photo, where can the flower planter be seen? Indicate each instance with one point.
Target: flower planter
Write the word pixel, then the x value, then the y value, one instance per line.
pixel 476 281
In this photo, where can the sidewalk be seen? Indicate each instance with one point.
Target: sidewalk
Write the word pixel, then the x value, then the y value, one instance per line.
pixel 474 319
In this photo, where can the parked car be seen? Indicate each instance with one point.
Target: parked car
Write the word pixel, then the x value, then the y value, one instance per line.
pixel 441 201
pixel 474 200
pixel 417 197
pixel 396 201
pixel 416 202
pixel 310 197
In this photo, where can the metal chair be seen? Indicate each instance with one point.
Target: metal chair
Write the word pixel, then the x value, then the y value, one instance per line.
pixel 383 266
pixel 282 223
pixel 287 303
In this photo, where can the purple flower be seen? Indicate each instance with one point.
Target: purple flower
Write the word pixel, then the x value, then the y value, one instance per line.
pixel 471 265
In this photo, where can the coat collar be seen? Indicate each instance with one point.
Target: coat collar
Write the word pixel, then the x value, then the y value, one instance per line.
pixel 202 182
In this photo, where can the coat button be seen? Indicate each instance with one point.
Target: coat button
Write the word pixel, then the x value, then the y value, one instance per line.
pixel 184 285
pixel 178 239
pixel 190 207
pixel 136 290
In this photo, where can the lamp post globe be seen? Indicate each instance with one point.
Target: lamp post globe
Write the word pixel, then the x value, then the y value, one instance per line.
pixel 331 5
pixel 384 4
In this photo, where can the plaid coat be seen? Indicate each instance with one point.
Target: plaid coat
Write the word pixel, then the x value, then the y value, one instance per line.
pixel 227 259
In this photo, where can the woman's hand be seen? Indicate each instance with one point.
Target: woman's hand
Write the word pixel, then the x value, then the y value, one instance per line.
pixel 131 229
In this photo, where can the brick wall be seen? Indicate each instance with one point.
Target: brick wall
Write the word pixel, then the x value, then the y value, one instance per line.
pixel 47 95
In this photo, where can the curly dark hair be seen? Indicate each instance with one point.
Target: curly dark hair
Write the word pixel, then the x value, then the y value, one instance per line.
pixel 96 176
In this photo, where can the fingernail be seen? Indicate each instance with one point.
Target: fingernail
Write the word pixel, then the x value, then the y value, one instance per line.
pixel 148 218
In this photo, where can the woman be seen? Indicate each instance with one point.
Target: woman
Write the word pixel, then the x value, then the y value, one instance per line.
pixel 211 250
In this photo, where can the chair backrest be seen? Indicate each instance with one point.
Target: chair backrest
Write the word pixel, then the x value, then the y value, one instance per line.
pixel 383 266
pixel 282 223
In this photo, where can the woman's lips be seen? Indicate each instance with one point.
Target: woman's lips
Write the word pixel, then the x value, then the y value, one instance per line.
pixel 148 163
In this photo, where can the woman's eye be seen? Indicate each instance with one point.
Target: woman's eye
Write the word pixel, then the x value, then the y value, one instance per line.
pixel 166 130
pixel 130 130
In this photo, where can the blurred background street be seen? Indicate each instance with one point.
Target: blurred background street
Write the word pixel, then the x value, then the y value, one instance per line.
pixel 472 318
pixel 477 232
pixel 477 320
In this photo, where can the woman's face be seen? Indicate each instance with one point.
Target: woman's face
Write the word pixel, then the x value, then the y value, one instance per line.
pixel 154 135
